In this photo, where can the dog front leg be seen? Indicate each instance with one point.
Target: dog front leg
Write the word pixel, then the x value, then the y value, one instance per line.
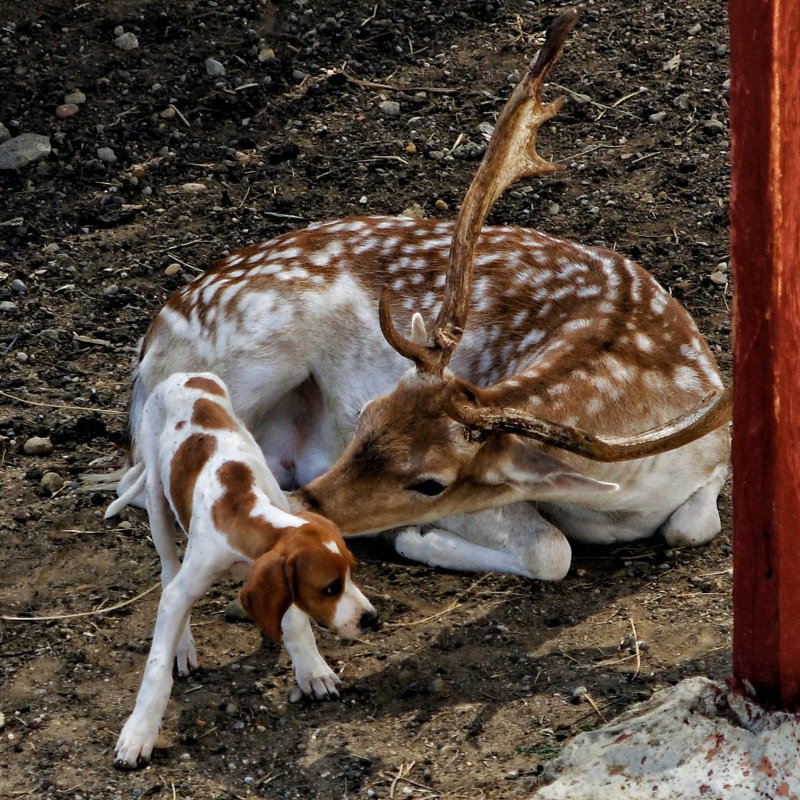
pixel 314 677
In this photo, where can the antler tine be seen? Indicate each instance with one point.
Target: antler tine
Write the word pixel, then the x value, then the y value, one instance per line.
pixel 418 353
pixel 713 413
pixel 511 155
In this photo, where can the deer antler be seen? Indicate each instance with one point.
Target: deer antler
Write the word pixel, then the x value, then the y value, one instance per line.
pixel 511 155
pixel 462 402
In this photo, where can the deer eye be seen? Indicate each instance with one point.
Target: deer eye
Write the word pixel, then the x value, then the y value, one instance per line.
pixel 333 588
pixel 428 487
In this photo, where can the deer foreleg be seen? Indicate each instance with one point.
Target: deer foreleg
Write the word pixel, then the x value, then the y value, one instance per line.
pixel 513 539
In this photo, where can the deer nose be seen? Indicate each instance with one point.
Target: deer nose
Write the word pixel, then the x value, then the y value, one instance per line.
pixel 369 621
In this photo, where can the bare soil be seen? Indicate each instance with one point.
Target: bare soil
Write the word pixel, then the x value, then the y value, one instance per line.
pixel 469 687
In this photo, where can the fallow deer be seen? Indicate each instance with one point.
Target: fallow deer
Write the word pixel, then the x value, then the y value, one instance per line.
pixel 487 464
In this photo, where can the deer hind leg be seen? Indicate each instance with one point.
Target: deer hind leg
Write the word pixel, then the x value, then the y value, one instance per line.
pixel 514 539
pixel 696 521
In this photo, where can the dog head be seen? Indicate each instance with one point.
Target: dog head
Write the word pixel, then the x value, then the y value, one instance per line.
pixel 311 567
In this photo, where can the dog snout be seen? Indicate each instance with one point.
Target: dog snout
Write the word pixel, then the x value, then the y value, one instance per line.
pixel 369 621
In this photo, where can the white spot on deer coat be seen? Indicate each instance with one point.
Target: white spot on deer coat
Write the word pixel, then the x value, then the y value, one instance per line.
pixel 686 378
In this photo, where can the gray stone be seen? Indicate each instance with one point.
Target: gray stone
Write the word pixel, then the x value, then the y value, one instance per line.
pixel 714 125
pixel 214 68
pixel 659 116
pixel 390 107
pixel 299 75
pixel 23 149
pixel 7 306
pixel 194 188
pixel 111 290
pixel 106 154
pixel 51 482
pixel 5 134
pixel 77 97
pixel 38 446
pixel 235 612
pixel 18 287
pixel 126 41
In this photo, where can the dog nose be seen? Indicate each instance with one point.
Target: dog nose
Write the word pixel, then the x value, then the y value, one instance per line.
pixel 369 621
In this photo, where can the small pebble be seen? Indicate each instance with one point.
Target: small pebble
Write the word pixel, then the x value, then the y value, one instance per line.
pixel 579 692
pixel 22 357
pixel 411 148
pixel 231 709
pixel 169 113
pixel 363 200
pixel 437 686
pixel 681 101
pixel 172 269
pixel 414 211
pixel 66 110
pixel 194 188
pixel 440 205
pixel 18 287
pixel 553 209
pixel 298 75
pixel 38 446
pixel 719 278
pixel 390 107
pixel 266 54
pixel 125 525
pixel 7 306
pixel 106 154
pixel 659 116
pixel 214 68
pixel 714 125
pixel 295 694
pixel 126 41
pixel 51 482
pixel 111 290
pixel 77 97
pixel 695 29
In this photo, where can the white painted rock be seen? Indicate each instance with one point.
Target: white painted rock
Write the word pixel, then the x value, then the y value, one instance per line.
pixel 695 741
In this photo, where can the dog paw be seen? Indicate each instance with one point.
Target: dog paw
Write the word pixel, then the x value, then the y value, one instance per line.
pixel 324 685
pixel 135 744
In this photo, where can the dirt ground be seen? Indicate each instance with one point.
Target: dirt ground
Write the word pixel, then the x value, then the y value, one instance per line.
pixel 474 681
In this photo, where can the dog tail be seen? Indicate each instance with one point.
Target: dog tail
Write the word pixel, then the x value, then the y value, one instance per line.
pixel 130 488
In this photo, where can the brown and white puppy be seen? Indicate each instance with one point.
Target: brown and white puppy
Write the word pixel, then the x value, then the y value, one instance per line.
pixel 201 467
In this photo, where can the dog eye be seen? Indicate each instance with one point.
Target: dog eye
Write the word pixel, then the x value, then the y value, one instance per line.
pixel 333 588
pixel 429 487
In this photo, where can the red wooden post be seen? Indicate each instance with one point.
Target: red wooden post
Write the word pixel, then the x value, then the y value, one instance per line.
pixel 765 246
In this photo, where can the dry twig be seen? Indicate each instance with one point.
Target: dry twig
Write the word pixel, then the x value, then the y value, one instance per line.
pixel 84 613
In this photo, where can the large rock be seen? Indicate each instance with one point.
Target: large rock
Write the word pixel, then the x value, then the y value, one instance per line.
pixel 23 149
pixel 694 741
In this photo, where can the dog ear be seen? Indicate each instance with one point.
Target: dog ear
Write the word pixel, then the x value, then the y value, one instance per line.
pixel 266 594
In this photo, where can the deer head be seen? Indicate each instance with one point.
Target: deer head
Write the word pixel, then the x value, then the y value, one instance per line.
pixel 437 445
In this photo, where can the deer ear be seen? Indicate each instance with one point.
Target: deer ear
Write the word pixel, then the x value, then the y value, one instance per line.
pixel 266 594
pixel 418 333
pixel 539 476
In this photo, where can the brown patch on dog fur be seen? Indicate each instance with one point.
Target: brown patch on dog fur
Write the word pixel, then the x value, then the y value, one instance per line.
pixel 206 385
pixel 180 425
pixel 208 414
pixel 232 512
pixel 187 463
